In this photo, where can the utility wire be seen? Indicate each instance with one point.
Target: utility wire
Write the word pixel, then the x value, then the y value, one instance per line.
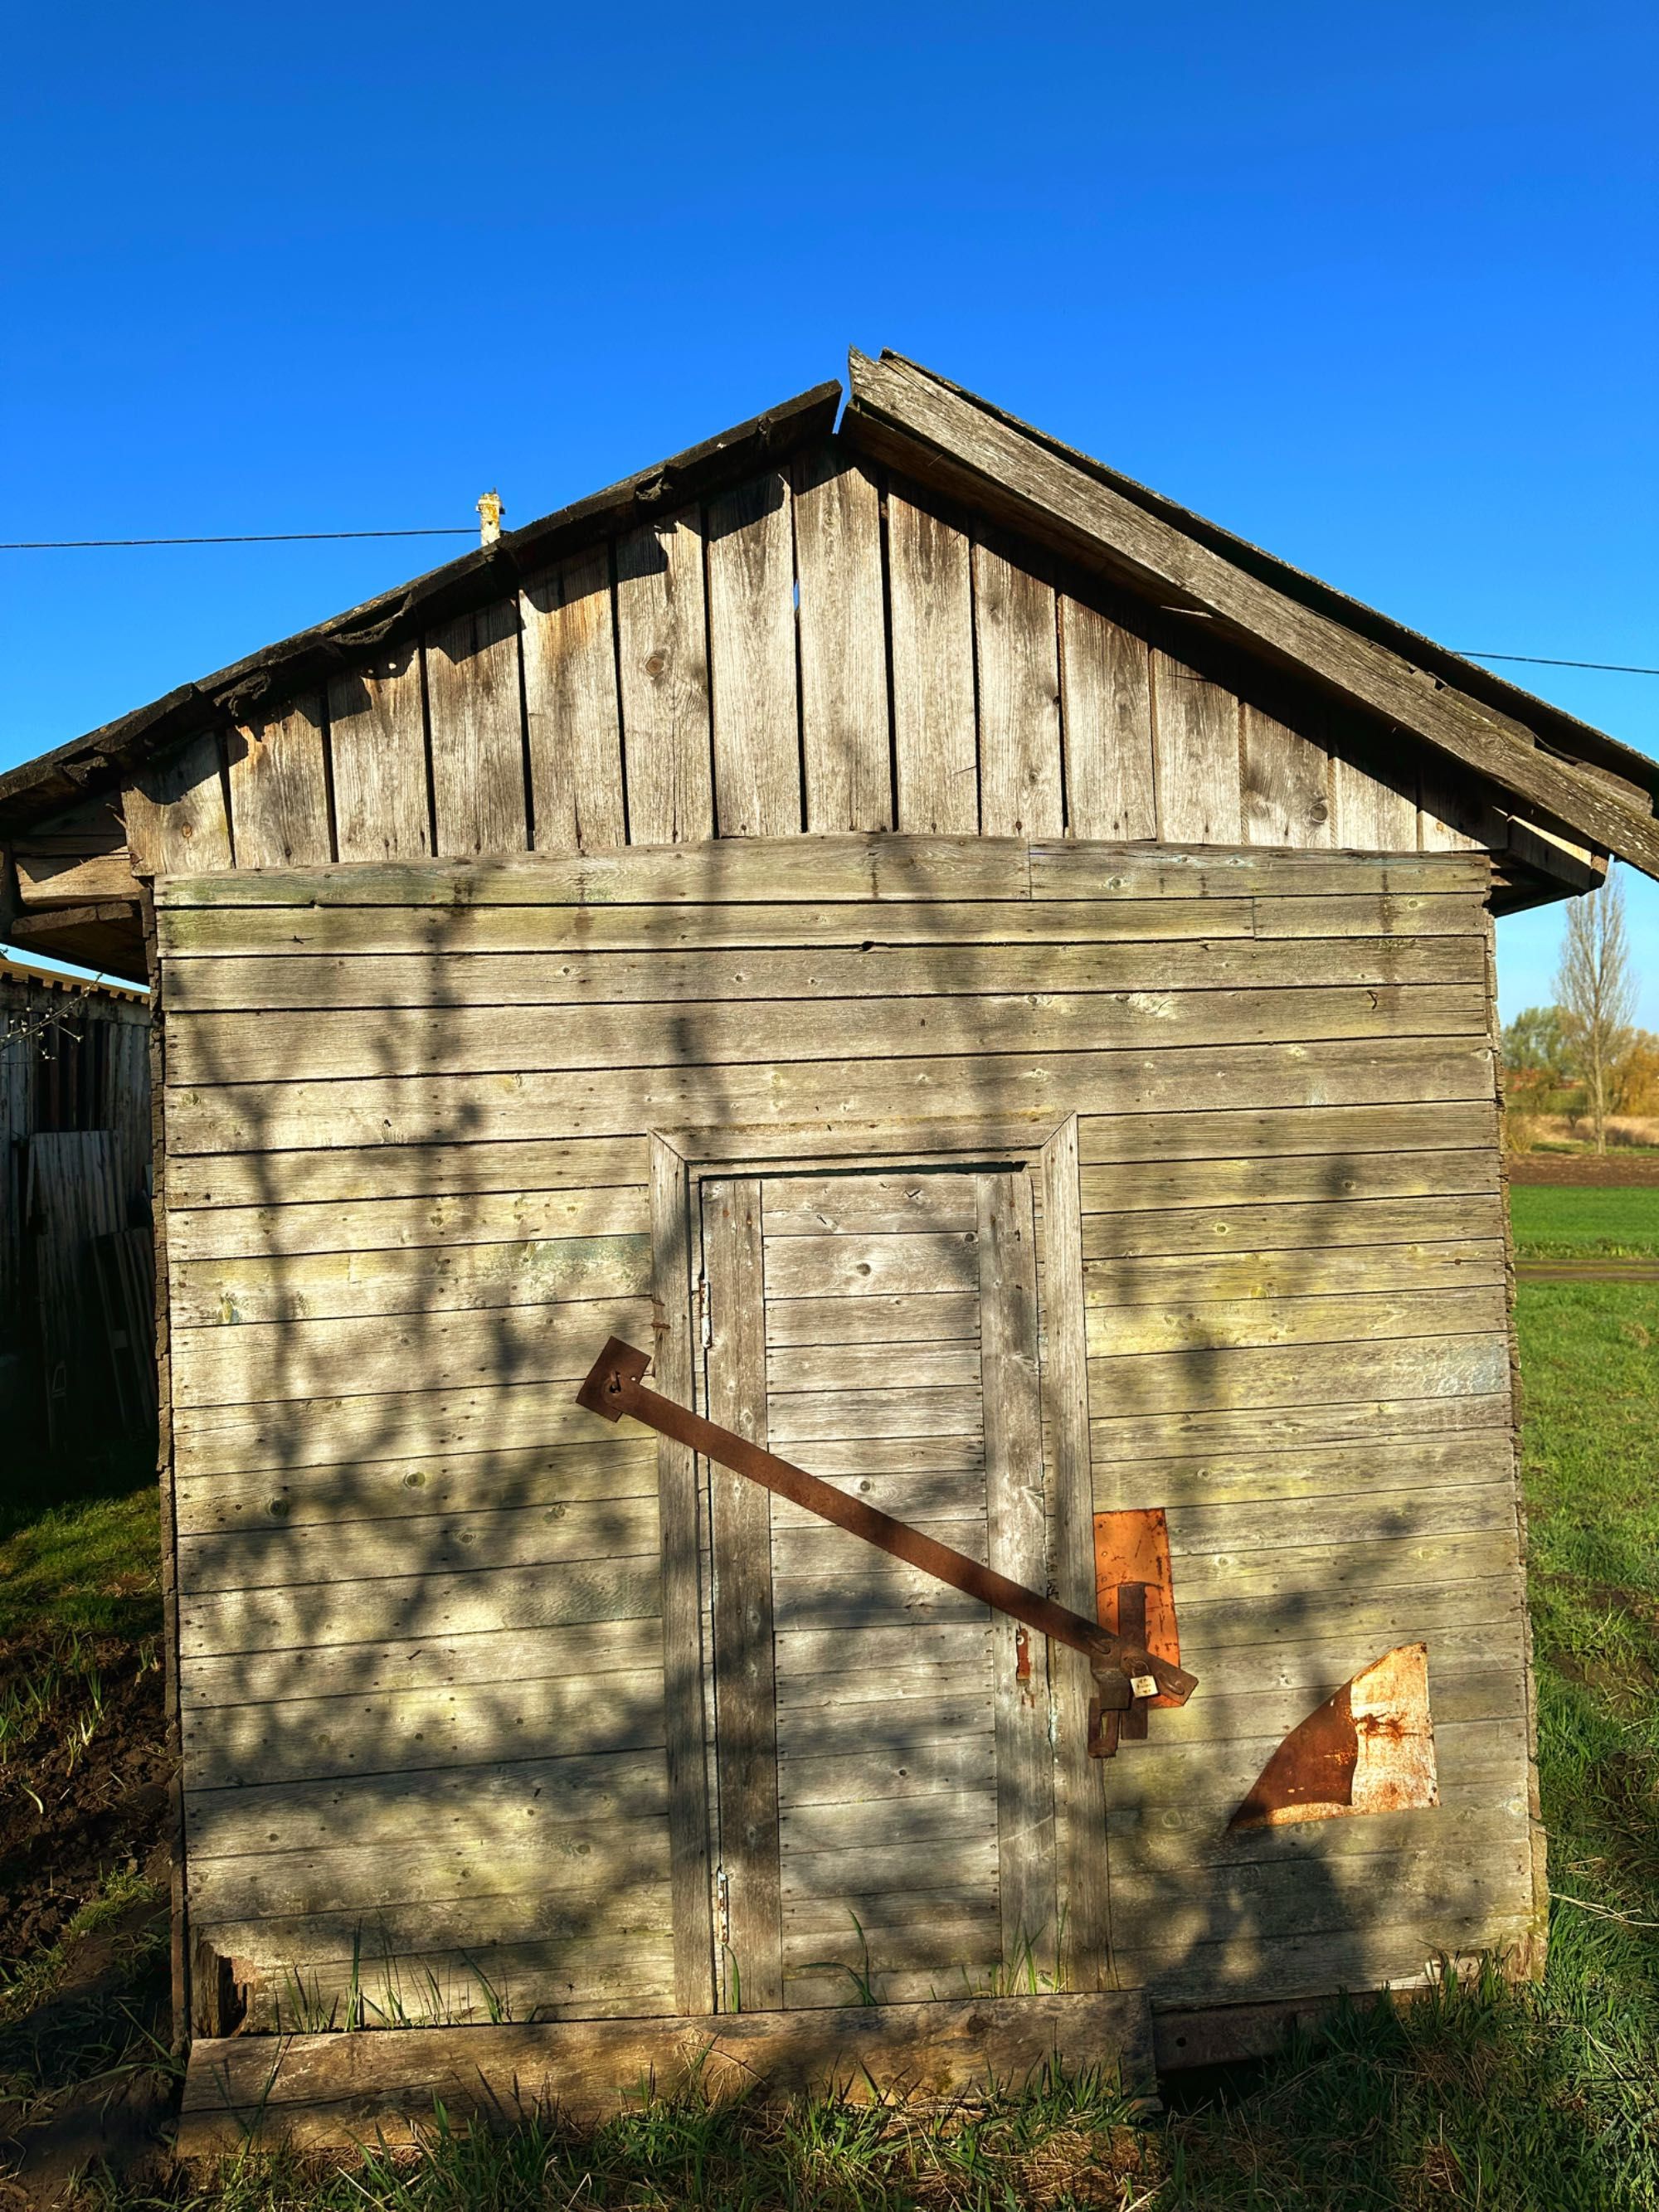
pixel 315 536
pixel 1542 660
pixel 270 538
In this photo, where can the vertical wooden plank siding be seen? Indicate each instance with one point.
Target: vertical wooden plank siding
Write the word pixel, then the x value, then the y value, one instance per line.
pixel 751 650
pixel 1017 640
pixel 681 1604
pixel 1017 1517
pixel 740 1518
pixel 1374 802
pixel 176 820
pixel 1111 790
pixel 476 733
pixel 932 618
pixel 279 788
pixel 377 738
pixel 1196 744
pixel 1287 785
pixel 572 724
pixel 1082 1862
pixel 663 654
pixel 842 630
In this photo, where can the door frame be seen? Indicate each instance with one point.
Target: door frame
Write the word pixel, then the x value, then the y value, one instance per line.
pixel 681 1160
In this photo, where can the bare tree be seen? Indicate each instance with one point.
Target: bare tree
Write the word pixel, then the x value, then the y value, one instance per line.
pixel 1596 994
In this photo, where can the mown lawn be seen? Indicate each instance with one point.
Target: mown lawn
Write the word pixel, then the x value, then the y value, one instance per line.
pixel 1551 1222
pixel 1482 2096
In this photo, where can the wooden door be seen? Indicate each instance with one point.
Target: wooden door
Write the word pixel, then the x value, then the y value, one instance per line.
pixel 884 1799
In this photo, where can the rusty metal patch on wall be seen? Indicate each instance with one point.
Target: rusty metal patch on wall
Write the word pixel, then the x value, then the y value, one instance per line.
pixel 1369 1749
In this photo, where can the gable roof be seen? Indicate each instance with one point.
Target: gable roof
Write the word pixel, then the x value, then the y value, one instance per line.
pixel 1577 777
pixel 1584 783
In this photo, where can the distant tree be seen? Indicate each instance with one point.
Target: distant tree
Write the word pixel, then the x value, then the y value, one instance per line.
pixel 1596 992
pixel 1536 1054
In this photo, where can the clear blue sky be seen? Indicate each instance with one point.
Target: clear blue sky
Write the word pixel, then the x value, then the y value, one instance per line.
pixel 1376 287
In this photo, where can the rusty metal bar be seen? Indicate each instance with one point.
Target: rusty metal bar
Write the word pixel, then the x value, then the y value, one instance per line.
pixel 616 1386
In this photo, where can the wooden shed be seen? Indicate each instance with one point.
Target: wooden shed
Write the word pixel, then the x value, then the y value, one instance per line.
pixel 985 979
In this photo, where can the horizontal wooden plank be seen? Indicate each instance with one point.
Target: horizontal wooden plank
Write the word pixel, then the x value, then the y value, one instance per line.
pixel 1259 1641
pixel 955 1493
pixel 1229 1133
pixel 1378 1956
pixel 1083 870
pixel 876 1593
pixel 863 1205
pixel 323 1553
pixel 371 1223
pixel 396 1731
pixel 541 1272
pixel 884 1774
pixel 887 1318
pixel 1137 1186
pixel 377 1171
pixel 1108 1238
pixel 855 866
pixel 313 2093
pixel 1337 914
pixel 898 1410
pixel 1198 1786
pixel 217 1050
pixel 841 1265
pixel 269 1117
pixel 1240 1478
pixel 593 1649
pixel 935 1815
pixel 443 933
pixel 310 982
pixel 1370 1424
pixel 1347 1318
pixel 1470 1692
pixel 813 1548
pixel 321 1431
pixel 1367 1512
pixel 567 1880
pixel 466 1988
pixel 1313 1375
pixel 476 1802
pixel 817 1656
pixel 404 1607
pixel 819 1885
pixel 260 1361
pixel 1308 1572
pixel 1315 1271
pixel 388 1489
pixel 870 1729
pixel 826 1367
pixel 1461 1826
pixel 592 1951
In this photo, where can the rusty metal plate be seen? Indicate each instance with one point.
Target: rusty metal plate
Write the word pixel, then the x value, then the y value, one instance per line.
pixel 1368 1749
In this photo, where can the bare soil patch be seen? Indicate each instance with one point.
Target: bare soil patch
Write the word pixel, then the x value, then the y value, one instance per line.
pixel 1586 1170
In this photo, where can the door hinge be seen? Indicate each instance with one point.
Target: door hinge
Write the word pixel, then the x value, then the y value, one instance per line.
pixel 704 1329
pixel 722 1907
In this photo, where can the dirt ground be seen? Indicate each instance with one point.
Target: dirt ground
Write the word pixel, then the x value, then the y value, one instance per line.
pixel 1586 1170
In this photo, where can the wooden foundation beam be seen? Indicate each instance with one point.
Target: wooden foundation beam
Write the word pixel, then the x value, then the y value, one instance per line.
pixel 316 2092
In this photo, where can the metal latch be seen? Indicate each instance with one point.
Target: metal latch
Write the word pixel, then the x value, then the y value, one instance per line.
pixel 1125 1672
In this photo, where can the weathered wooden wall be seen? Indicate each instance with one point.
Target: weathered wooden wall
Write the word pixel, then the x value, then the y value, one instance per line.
pixel 408 1196
pixel 824 650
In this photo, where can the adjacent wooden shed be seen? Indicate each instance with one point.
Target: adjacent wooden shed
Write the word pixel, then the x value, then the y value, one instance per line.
pixel 987 980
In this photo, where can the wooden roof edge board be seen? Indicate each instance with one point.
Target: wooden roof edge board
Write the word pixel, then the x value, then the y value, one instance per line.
pixel 1578 739
pixel 906 416
pixel 70 772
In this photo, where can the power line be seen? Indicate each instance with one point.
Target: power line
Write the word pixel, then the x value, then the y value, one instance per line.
pixel 1542 660
pixel 266 538
pixel 316 536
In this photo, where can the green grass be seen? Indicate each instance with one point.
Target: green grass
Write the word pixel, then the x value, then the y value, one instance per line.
pixel 1551 1222
pixel 82 1553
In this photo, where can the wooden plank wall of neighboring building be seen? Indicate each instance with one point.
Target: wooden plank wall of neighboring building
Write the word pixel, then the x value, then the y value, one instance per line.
pixel 409 1195
pixel 821 649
